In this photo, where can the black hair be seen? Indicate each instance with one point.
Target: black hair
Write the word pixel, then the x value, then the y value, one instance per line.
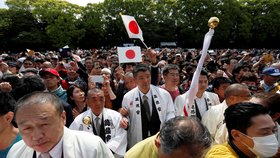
pixel 212 66
pixel 238 116
pixel 237 68
pixel 28 85
pixel 88 58
pixel 7 103
pixel 70 91
pixel 140 68
pixel 271 103
pixel 29 58
pixel 217 82
pixel 202 73
pixel 13 79
pixel 126 64
pixel 168 67
pixel 249 76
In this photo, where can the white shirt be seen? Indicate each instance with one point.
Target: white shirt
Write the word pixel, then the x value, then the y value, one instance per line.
pixel 201 104
pixel 56 151
pixel 213 119
pixel 94 117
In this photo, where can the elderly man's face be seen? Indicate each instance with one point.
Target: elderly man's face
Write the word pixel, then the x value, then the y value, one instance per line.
pixel 96 102
pixel 270 80
pixel 40 126
pixel 89 64
pixel 129 83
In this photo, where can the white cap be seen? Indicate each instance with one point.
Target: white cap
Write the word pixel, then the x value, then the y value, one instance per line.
pixel 21 59
pixel 106 70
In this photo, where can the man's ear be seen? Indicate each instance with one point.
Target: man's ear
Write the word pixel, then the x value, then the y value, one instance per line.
pixel 9 116
pixel 276 116
pixel 63 116
pixel 236 135
pixel 215 90
pixel 157 142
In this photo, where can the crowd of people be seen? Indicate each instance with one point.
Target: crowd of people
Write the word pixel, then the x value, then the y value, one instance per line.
pixel 84 103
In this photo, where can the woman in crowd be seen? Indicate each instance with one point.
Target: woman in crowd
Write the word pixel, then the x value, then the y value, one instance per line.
pixel 9 134
pixel 76 95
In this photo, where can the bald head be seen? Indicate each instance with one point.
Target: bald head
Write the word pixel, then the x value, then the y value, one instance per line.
pixel 185 136
pixel 235 90
pixel 237 93
pixel 46 65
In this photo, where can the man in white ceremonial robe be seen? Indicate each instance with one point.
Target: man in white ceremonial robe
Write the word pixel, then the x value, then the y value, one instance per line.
pixel 203 102
pixel 110 131
pixel 214 118
pixel 41 119
pixel 145 117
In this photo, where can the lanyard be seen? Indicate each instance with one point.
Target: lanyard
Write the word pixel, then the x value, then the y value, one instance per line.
pixel 195 110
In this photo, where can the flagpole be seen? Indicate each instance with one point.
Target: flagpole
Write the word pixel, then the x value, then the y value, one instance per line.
pixel 212 23
pixel 144 44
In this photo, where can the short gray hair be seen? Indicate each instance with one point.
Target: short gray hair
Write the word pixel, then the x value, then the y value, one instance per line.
pixel 183 131
pixel 39 98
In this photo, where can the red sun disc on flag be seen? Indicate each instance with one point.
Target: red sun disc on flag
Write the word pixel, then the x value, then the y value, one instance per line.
pixel 130 54
pixel 133 27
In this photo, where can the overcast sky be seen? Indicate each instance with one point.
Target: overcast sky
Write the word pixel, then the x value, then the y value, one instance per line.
pixel 79 2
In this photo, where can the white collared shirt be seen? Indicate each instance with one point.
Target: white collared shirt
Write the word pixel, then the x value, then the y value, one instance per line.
pixel 56 151
pixel 94 117
pixel 201 104
pixel 150 99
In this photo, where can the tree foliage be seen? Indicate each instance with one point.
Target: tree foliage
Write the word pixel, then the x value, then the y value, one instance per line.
pixel 49 24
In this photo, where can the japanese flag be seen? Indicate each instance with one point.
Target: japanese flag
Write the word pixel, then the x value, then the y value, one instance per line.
pixel 129 54
pixel 132 27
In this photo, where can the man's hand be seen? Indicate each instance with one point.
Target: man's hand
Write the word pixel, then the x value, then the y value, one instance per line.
pixel 76 58
pixel 119 71
pixel 106 81
pixel 123 111
pixel 75 112
pixel 152 55
pixel 74 65
pixel 5 87
pixel 124 123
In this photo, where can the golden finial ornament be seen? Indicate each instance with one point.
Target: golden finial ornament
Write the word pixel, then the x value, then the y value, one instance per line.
pixel 213 22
